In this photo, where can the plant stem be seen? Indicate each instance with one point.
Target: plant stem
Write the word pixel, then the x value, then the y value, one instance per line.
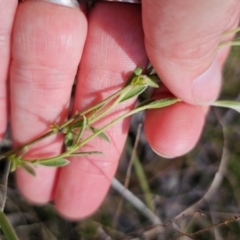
pixel 65 124
pixel 17 149
pixel 113 105
pixel 7 228
pixel 104 102
pixel 229 44
pixel 136 110
pixel 232 31
pixel 5 184
pixel 76 147
pixel 142 178
pixel 136 202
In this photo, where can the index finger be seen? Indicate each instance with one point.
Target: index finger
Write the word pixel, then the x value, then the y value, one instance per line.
pixel 47 45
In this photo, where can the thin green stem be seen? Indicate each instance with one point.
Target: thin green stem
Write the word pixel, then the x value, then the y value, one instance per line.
pixel 104 102
pixel 69 121
pixel 52 132
pixel 231 31
pixel 20 148
pixel 141 178
pixel 110 124
pixel 76 147
pixel 229 44
pixel 79 135
pixel 113 105
pixel 136 72
pixel 5 184
pixel 8 230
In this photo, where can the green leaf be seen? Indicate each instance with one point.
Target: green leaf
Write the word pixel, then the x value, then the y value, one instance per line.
pixel 101 135
pixel 86 153
pixel 68 140
pixel 136 72
pixel 134 92
pixel 151 103
pixel 235 105
pixel 77 124
pixel 7 228
pixel 13 166
pixel 28 168
pixel 54 162
pixel 144 80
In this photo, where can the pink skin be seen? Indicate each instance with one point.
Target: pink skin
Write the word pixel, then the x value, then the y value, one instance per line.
pixel 182 44
pixel 47 47
pixel 7 9
pixel 41 81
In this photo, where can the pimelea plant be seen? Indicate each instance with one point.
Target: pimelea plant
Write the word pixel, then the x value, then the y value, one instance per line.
pixel 74 127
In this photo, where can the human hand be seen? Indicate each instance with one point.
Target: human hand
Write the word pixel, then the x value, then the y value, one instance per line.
pixel 47 47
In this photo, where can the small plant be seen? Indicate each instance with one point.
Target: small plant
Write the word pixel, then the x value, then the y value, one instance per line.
pixel 73 128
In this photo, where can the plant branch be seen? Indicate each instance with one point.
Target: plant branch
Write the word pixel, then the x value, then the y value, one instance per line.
pixel 136 202
pixel 8 230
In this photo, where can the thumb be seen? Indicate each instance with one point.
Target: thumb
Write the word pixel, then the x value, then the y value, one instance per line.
pixel 181 39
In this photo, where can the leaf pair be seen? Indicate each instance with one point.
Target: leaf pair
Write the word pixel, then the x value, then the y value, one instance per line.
pixel 140 83
pixel 30 166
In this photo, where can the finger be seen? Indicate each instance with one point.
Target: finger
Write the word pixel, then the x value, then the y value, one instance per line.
pixel 114 47
pixel 7 9
pixel 47 46
pixel 181 40
pixel 175 130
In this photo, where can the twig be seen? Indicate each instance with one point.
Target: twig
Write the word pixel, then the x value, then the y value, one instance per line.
pixel 136 202
pixel 128 174
pixel 236 218
pixel 5 185
pixel 158 229
pixel 216 231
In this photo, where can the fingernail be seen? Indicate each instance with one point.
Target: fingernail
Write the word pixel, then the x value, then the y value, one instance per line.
pixel 160 154
pixel 67 3
pixel 206 87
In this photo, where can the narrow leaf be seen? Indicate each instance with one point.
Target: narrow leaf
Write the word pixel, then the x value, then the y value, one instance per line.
pixel 28 168
pixel 54 162
pixel 134 92
pixel 151 104
pixel 77 124
pixel 7 228
pixel 86 153
pixel 13 166
pixel 68 140
pixel 101 135
pixel 235 105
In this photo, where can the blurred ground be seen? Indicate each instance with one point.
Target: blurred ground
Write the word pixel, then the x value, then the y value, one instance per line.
pixel 200 189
